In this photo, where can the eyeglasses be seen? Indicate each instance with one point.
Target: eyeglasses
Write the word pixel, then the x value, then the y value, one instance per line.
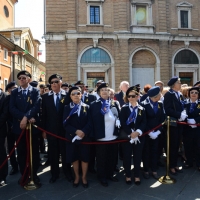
pixel 194 93
pixel 52 82
pixel 21 78
pixel 132 96
pixel 75 93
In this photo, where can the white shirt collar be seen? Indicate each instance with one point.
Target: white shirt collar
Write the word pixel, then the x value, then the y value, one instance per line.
pixel 28 88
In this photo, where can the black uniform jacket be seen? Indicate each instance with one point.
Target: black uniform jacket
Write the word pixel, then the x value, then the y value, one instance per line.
pixel 52 120
pixel 173 106
pixel 89 98
pixel 76 122
pixel 119 97
pixel 96 120
pixel 20 107
pixel 140 122
pixel 153 119
pixel 4 113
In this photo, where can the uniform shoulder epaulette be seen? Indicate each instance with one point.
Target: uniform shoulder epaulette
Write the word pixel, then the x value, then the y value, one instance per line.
pixel 160 102
pixel 146 101
pixel 140 107
pixel 125 105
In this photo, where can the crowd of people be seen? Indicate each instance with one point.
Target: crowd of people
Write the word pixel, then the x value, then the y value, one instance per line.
pixel 102 116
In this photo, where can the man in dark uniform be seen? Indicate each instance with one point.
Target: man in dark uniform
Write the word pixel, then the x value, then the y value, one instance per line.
pixel 25 108
pixel 34 84
pixel 65 86
pixel 174 107
pixel 11 136
pixel 3 132
pixel 53 104
pixel 88 99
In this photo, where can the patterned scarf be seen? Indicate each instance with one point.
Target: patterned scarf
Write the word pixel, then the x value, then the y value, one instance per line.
pixel 105 106
pixel 73 111
pixel 132 116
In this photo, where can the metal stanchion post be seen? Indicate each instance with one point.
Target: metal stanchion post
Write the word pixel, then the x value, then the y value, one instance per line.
pixel 31 185
pixel 167 179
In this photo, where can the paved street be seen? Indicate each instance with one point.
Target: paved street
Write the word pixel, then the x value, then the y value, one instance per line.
pixel 186 187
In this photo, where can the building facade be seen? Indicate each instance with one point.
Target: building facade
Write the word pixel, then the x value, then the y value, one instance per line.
pixel 17 40
pixel 140 41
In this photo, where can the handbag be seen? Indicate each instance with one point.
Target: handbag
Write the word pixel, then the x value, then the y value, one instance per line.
pixel 123 135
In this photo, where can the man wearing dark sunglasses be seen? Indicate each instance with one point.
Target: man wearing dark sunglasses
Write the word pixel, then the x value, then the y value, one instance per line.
pixel 24 108
pixel 53 104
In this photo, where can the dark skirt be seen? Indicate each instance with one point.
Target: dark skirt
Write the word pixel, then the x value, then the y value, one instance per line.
pixel 77 151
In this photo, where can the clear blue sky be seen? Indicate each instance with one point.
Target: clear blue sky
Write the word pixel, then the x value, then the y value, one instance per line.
pixel 30 13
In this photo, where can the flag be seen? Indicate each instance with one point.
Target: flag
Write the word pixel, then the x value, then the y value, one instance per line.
pixel 15 52
pixel 25 52
pixel 39 53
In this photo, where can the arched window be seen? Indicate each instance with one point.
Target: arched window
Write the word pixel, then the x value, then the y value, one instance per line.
pixel 27 46
pixel 95 55
pixel 186 57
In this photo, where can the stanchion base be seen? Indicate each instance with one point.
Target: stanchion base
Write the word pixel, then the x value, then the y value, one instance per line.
pixel 32 186
pixel 167 180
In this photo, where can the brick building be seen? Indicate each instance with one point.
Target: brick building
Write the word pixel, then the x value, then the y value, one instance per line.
pixel 18 40
pixel 140 41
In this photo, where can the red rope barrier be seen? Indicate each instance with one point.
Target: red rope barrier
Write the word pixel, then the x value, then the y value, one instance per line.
pixel 107 142
pixel 185 123
pixel 15 146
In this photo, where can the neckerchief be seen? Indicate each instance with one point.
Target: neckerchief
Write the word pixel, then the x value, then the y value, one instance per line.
pixel 192 106
pixel 132 116
pixel 155 105
pixel 73 111
pixel 105 106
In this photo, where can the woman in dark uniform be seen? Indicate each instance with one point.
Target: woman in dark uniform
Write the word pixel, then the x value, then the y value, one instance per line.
pixel 155 116
pixel 191 136
pixel 77 130
pixel 133 122
pixel 104 118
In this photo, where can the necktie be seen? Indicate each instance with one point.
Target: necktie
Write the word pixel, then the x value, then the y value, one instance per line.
pixel 73 111
pixel 155 106
pixel 105 106
pixel 192 106
pixel 132 116
pixel 57 102
pixel 177 95
pixel 24 94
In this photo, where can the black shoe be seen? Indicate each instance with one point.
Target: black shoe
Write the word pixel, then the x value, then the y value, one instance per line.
pixel 187 166
pixel 104 183
pixel 114 179
pixel 47 163
pixel 137 183
pixel 85 185
pixel 116 169
pixel 75 185
pixel 52 180
pixel 178 170
pixel 92 171
pixel 155 176
pixel 129 182
pixel 160 164
pixel 173 173
pixel 146 175
pixel 36 179
pixel 13 171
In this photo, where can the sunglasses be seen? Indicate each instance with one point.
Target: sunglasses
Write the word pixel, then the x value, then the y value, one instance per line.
pixel 52 82
pixel 194 93
pixel 75 93
pixel 132 96
pixel 21 78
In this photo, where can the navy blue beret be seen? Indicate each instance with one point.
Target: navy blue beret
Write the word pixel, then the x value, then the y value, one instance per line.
pixel 194 88
pixel 172 80
pixel 68 98
pixel 34 83
pixel 65 85
pixel 24 72
pixel 154 91
pixel 54 76
pixel 198 82
pixel 11 84
pixel 79 83
pixel 135 88
pixel 103 85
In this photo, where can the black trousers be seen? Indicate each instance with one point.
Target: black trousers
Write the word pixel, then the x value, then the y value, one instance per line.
pixel 175 134
pixel 161 143
pixel 11 143
pixel 3 156
pixel 150 154
pixel 55 148
pixel 191 141
pixel 106 160
pixel 136 150
pixel 41 142
pixel 92 157
pixel 22 152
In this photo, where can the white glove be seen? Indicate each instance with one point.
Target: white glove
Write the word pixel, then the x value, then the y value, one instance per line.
pixel 134 140
pixel 191 121
pixel 153 135
pixel 183 116
pixel 76 138
pixel 117 123
pixel 158 132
